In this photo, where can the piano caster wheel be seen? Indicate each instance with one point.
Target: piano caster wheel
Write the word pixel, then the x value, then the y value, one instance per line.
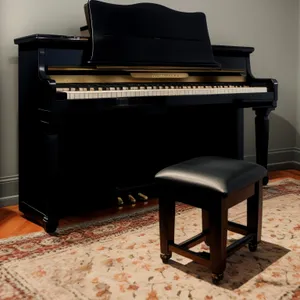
pixel 216 278
pixel 265 180
pixel 50 226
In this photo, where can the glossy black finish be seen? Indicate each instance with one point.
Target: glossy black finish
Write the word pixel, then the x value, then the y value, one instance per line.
pixel 138 37
pixel 262 136
pixel 217 174
pixel 84 154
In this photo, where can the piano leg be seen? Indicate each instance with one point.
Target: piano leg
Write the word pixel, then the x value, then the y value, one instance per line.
pixel 262 137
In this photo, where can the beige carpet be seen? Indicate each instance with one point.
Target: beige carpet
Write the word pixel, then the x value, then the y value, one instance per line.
pixel 119 258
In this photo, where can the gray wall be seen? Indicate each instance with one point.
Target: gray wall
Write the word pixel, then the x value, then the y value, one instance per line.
pixel 271 26
pixel 298 84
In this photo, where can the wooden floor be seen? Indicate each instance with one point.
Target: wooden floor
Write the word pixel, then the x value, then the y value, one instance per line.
pixel 13 224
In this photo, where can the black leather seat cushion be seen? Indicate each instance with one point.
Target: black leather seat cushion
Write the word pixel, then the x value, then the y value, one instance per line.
pixel 214 173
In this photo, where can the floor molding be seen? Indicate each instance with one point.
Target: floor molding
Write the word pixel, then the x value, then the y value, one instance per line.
pixel 297 155
pixel 9 190
pixel 279 159
pixel 9 201
pixel 295 165
pixel 279 156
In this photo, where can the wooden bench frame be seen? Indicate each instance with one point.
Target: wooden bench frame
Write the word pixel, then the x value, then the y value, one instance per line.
pixel 215 224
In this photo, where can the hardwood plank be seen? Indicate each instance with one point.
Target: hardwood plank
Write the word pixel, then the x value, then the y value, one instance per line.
pixel 13 224
pixel 285 174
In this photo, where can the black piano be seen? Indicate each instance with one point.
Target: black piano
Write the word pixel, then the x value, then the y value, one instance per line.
pixel 100 115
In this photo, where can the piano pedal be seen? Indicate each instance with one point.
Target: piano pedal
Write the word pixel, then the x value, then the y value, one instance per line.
pixel 120 203
pixel 132 200
pixel 143 198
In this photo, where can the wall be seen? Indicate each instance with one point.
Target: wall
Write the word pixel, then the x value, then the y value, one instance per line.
pixel 297 158
pixel 232 22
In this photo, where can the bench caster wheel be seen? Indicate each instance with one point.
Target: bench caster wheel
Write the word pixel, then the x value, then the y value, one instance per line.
pixel 216 278
pixel 252 247
pixel 165 258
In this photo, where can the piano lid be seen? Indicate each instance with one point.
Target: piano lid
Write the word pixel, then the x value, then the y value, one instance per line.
pixel 147 34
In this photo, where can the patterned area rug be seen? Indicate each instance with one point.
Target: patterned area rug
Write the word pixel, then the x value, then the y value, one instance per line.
pixel 119 258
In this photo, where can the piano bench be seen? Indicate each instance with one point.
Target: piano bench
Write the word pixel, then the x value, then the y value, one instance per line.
pixel 213 184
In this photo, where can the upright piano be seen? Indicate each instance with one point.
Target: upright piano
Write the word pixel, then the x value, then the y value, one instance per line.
pixel 100 115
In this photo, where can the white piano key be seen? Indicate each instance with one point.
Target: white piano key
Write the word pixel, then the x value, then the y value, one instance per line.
pixel 158 91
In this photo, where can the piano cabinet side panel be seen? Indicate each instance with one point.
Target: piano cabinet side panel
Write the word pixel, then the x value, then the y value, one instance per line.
pixel 33 191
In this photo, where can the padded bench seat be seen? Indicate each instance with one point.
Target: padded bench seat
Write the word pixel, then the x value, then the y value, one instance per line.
pixel 213 184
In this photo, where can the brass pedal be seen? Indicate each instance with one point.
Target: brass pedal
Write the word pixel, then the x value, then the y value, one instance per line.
pixel 132 199
pixel 120 202
pixel 143 197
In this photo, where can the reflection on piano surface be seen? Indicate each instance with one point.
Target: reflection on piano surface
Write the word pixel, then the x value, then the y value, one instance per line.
pixel 100 115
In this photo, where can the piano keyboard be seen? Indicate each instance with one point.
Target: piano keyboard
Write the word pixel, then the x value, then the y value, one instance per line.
pixel 144 91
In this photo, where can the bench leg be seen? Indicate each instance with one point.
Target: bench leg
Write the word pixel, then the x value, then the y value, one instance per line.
pixel 205 224
pixel 166 227
pixel 254 216
pixel 218 217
